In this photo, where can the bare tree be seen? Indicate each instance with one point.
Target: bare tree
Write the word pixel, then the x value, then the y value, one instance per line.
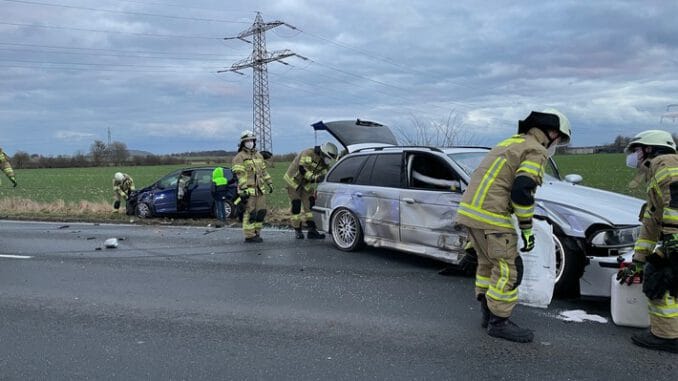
pixel 444 133
pixel 118 152
pixel 20 159
pixel 98 150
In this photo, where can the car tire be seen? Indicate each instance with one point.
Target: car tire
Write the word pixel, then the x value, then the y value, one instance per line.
pixel 229 209
pixel 142 210
pixel 345 229
pixel 570 264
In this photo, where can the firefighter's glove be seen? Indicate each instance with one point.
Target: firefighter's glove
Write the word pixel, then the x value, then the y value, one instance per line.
pixel 13 180
pixel 528 240
pixel 670 242
pixel 630 272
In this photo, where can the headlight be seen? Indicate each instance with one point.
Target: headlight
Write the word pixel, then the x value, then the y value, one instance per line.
pixel 615 237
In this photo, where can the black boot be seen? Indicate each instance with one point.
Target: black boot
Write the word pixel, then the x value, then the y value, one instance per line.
pixel 504 328
pixel 313 232
pixel 485 310
pixel 648 340
pixel 255 239
pixel 298 234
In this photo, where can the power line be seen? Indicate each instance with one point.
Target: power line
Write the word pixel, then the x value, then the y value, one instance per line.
pixel 95 64
pixel 122 12
pixel 110 55
pixel 110 31
pixel 104 49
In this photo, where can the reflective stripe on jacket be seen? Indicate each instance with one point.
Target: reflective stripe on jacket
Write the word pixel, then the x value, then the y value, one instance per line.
pixel 486 203
pixel 313 169
pixel 250 168
pixel 660 213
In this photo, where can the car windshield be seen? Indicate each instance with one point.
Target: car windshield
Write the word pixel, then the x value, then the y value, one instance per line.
pixel 469 161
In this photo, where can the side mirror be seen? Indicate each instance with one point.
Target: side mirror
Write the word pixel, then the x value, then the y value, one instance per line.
pixel 574 178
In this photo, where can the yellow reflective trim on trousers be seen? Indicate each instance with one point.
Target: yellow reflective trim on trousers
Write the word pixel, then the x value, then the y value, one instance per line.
pixel 295 217
pixel 290 181
pixel 497 292
pixel 644 244
pixel 667 309
pixel 512 140
pixel 482 281
pixel 664 173
pixel 485 216
pixel 523 211
pixel 488 179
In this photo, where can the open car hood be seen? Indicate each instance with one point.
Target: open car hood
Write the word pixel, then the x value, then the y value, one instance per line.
pixel 354 134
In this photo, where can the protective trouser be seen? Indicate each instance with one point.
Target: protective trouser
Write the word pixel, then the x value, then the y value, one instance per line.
pixel 300 199
pixel 664 310
pixel 253 218
pixel 499 270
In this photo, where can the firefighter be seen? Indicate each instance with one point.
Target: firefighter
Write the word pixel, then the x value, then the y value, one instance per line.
pixel 7 167
pixel 655 258
pixel 307 168
pixel 254 183
pixel 123 185
pixel 504 184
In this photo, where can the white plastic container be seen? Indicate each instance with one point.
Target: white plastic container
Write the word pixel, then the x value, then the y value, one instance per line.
pixel 628 304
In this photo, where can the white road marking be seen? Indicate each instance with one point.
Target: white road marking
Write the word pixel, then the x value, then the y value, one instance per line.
pixel 15 256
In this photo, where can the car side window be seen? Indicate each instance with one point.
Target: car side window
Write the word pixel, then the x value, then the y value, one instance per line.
pixel 203 177
pixel 426 171
pixel 366 173
pixel 387 170
pixel 346 170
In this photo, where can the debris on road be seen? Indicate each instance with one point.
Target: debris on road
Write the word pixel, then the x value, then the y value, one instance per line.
pixel 111 243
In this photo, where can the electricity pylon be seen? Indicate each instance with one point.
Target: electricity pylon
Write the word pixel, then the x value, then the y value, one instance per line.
pixel 258 61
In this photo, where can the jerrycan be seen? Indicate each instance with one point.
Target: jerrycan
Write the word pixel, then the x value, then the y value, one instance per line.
pixel 628 304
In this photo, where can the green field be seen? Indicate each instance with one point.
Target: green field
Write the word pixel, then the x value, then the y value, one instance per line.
pixel 604 170
pixel 94 184
pixel 73 185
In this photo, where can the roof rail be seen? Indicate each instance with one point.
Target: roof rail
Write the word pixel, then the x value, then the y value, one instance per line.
pixel 435 149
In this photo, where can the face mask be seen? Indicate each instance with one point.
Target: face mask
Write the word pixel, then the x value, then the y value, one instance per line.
pixel 632 160
pixel 249 144
pixel 551 150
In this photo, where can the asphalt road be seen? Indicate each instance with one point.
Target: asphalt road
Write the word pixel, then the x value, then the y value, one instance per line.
pixel 173 303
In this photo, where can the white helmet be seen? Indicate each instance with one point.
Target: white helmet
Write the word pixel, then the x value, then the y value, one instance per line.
pixel 247 135
pixel 119 176
pixel 651 138
pixel 548 119
pixel 329 150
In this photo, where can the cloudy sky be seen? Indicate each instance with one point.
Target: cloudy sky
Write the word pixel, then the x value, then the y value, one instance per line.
pixel 148 69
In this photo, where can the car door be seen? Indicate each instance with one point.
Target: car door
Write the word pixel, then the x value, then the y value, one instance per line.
pixel 378 187
pixel 429 203
pixel 165 194
pixel 200 195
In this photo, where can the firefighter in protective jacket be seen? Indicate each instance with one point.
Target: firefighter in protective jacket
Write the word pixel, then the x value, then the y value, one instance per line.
pixel 254 183
pixel 655 258
pixel 504 184
pixel 7 167
pixel 123 185
pixel 308 167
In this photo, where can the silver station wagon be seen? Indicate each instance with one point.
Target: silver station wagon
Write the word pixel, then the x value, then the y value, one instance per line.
pixel 406 198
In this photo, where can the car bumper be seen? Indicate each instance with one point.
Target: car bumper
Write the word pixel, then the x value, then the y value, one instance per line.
pixel 596 279
pixel 321 217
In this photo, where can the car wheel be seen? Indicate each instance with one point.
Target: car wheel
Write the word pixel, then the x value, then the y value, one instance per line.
pixel 229 209
pixel 347 234
pixel 570 262
pixel 143 210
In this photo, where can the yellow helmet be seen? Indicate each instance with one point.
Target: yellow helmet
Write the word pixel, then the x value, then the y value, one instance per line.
pixel 651 138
